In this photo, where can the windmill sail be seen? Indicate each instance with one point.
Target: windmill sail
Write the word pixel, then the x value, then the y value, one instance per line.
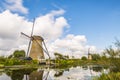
pixel 46 49
pixel 28 47
pixel 30 38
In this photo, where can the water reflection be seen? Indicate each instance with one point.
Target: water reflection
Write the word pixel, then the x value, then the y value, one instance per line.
pixel 36 75
pixel 59 73
pixel 73 73
pixel 96 68
pixel 85 67
pixel 19 74
pixel 27 74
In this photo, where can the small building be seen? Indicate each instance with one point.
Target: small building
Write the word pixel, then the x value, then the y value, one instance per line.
pixel 89 56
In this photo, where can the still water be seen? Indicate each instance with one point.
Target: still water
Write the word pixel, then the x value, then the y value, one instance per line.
pixel 73 73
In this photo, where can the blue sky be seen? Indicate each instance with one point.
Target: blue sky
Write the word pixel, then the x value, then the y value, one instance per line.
pixel 97 21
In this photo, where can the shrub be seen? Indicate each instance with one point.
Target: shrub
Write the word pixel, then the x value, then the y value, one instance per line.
pixel 84 58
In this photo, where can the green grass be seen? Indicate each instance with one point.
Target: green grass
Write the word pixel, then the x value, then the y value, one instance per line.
pixel 110 76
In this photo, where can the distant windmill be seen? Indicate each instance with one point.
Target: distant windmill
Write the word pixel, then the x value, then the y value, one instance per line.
pixel 89 55
pixel 35 47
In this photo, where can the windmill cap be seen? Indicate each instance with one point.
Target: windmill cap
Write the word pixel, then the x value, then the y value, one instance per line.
pixel 37 37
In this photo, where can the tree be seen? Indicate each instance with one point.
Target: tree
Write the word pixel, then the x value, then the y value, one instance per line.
pixel 114 56
pixel 60 56
pixel 111 52
pixel 104 57
pixel 2 59
pixel 67 57
pixel 96 57
pixel 10 56
pixel 117 44
pixel 84 58
pixel 19 54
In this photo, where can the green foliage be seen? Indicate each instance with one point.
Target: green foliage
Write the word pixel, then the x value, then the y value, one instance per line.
pixel 15 61
pixel 114 59
pixel 16 75
pixel 111 52
pixel 10 62
pixel 117 43
pixel 10 56
pixel 96 57
pixel 19 54
pixel 67 57
pixel 103 57
pixel 115 65
pixel 34 61
pixel 60 56
pixel 2 60
pixel 84 58
pixel 110 76
pixel 61 63
pixel 104 61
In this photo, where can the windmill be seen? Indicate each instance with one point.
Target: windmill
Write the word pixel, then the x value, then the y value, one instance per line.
pixel 89 55
pixel 35 46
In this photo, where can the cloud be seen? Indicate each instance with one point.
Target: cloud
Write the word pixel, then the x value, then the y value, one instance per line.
pixel 71 45
pixel 10 27
pixel 12 24
pixel 15 6
pixel 50 26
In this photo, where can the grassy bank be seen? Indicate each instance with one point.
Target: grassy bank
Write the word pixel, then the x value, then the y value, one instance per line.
pixel 110 76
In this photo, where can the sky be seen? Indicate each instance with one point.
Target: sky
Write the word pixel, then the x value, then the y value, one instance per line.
pixel 69 27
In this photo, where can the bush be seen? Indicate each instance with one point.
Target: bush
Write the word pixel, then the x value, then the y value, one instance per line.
pixel 19 54
pixel 10 62
pixel 2 60
pixel 84 58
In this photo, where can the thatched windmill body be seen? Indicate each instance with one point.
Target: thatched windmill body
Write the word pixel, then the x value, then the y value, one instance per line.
pixel 35 47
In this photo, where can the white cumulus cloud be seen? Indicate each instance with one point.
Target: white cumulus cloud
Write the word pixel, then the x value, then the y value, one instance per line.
pixel 50 26
pixel 71 45
pixel 12 24
pixel 15 6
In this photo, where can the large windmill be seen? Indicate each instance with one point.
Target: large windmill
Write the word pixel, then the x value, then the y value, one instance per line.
pixel 35 47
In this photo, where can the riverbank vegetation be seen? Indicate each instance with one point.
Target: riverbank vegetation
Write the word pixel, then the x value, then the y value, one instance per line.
pixel 110 59
pixel 113 60
pixel 17 58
